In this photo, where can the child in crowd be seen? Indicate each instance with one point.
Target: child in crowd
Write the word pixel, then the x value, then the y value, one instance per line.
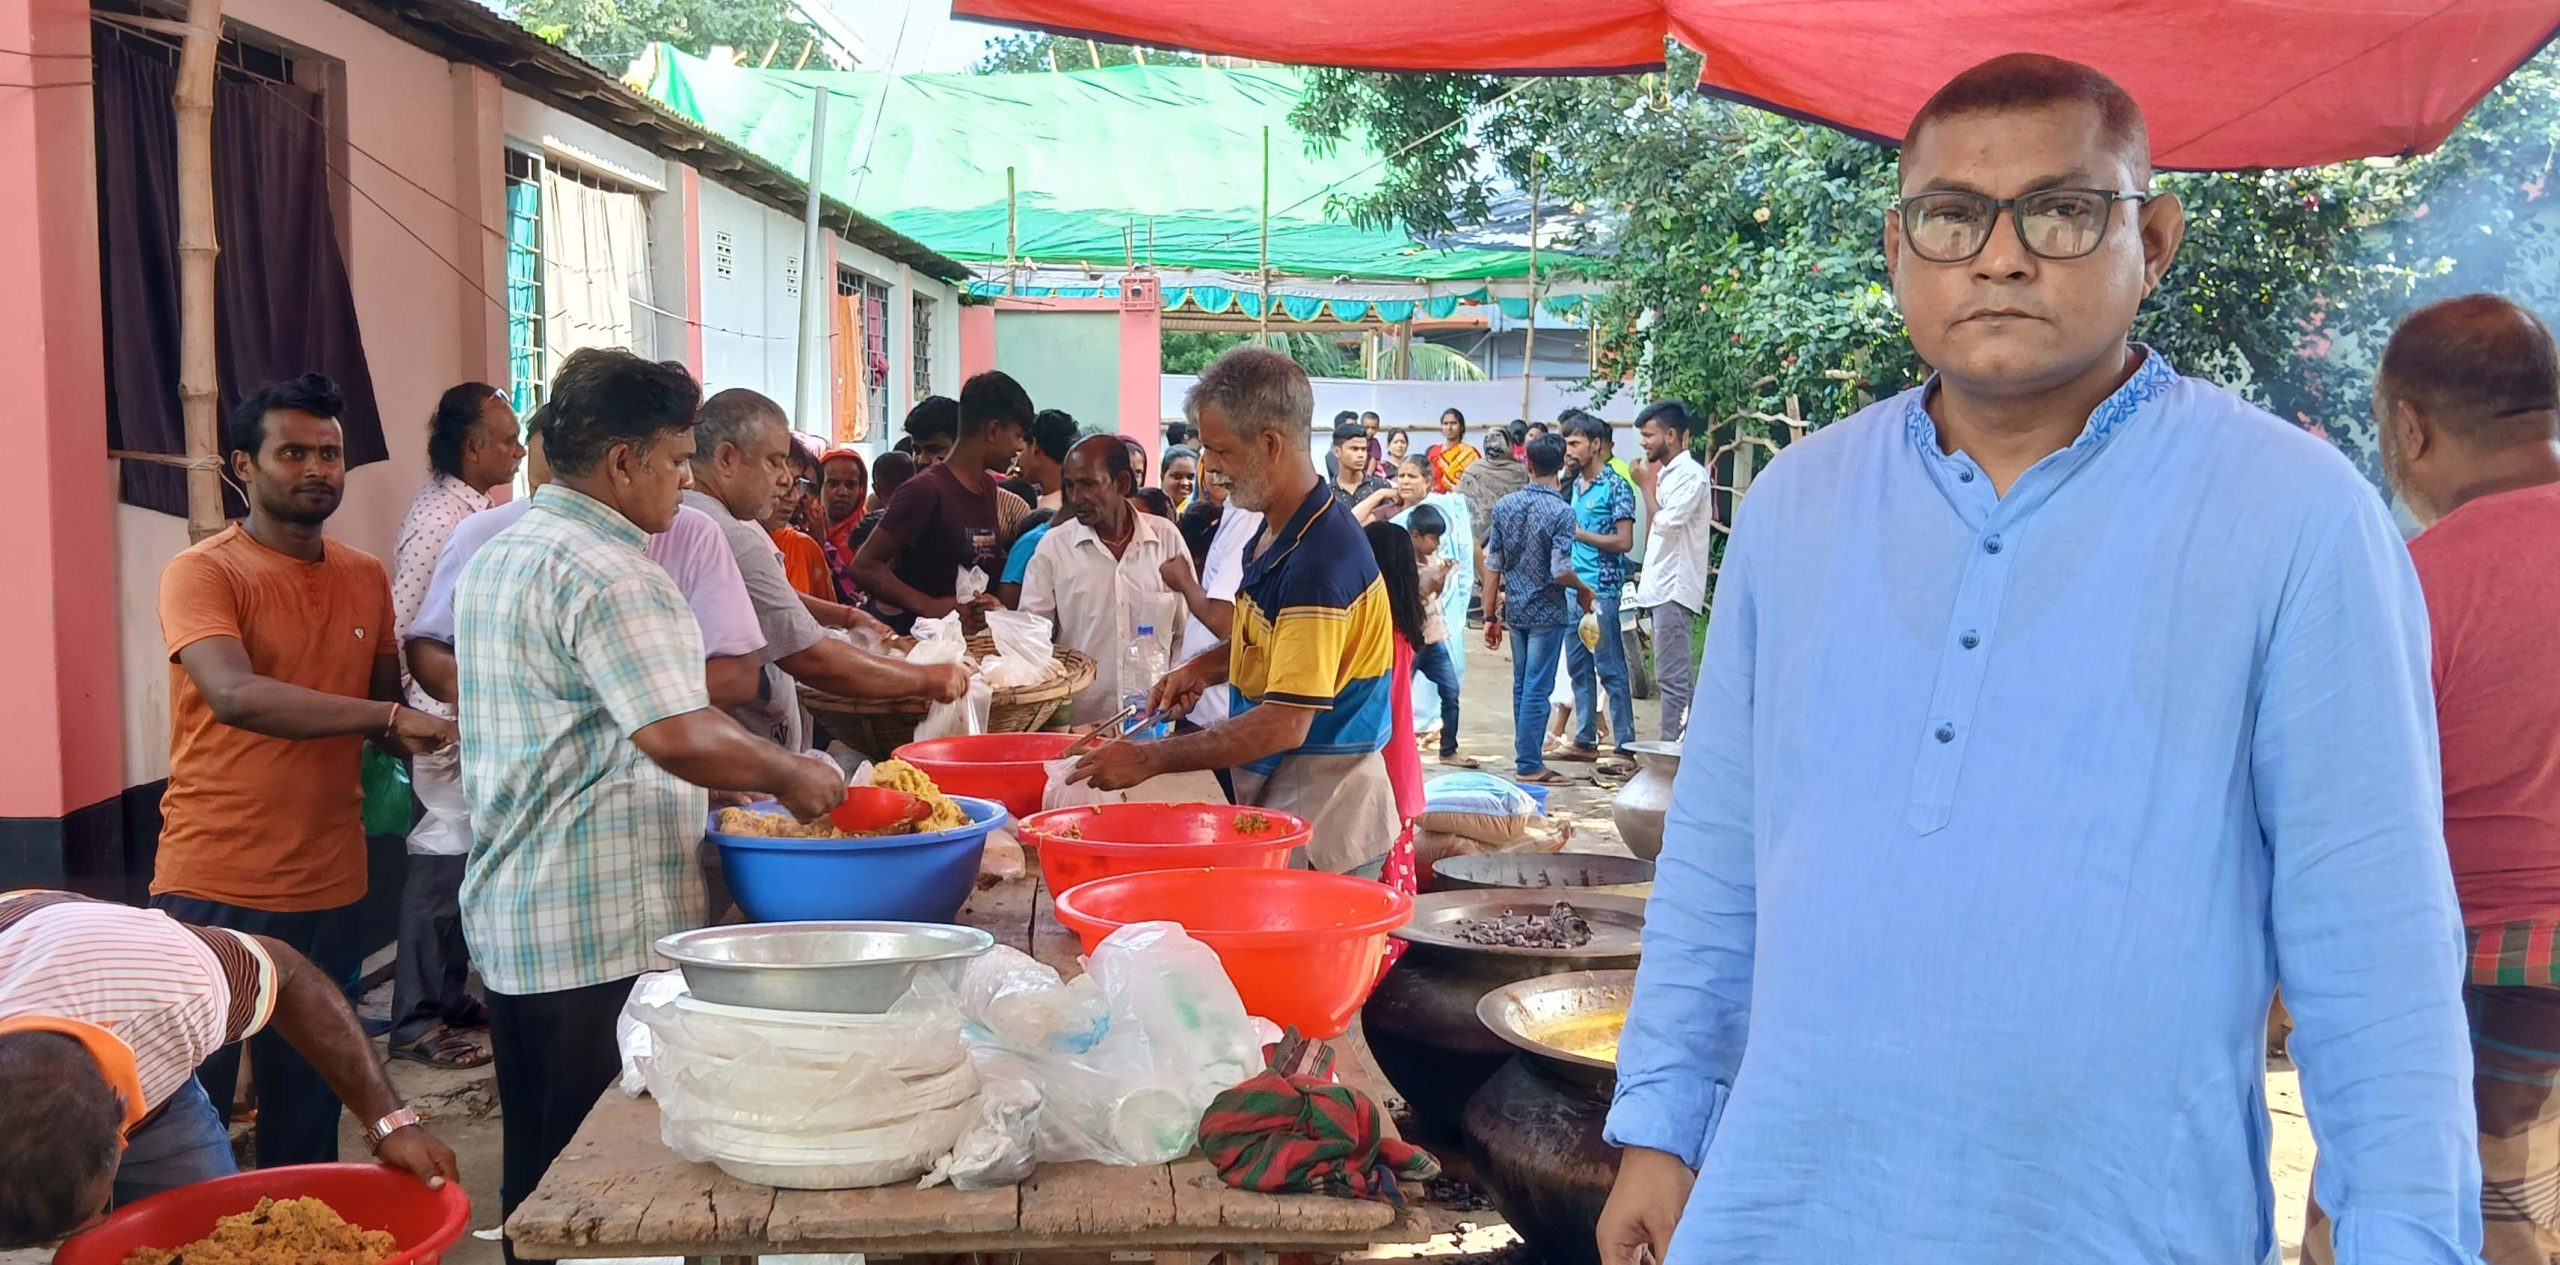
pixel 1431 659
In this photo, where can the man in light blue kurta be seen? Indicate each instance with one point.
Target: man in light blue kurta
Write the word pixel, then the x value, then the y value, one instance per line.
pixel 2020 773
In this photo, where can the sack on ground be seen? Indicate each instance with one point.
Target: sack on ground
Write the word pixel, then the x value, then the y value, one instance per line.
pixel 1478 806
pixel 1430 847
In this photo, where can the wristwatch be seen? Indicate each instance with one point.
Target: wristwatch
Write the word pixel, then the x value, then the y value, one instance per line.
pixel 380 1130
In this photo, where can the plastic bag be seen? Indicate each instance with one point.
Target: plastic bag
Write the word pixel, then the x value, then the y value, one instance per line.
pixel 1175 1034
pixel 1062 793
pixel 941 641
pixel 387 810
pixel 811 1101
pixel 1025 652
pixel 632 1036
pixel 997 1149
pixel 968 585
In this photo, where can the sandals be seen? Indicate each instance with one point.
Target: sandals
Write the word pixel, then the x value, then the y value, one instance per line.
pixel 1543 777
pixel 445 1048
pixel 1572 751
pixel 1457 761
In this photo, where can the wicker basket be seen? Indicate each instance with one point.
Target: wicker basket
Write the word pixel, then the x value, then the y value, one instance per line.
pixel 878 727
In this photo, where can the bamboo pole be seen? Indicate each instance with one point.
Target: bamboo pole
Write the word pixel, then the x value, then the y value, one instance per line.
pixel 1093 51
pixel 1012 270
pixel 198 375
pixel 1529 343
pixel 1263 273
pixel 816 282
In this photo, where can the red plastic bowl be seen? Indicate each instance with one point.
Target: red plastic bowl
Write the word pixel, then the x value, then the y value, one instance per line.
pixel 1007 768
pixel 1079 845
pixel 423 1222
pixel 1302 948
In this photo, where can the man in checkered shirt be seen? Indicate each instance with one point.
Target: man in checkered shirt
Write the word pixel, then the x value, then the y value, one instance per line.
pixel 588 736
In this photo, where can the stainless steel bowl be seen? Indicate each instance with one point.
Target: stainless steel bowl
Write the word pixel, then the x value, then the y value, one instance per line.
pixel 1499 870
pixel 844 968
pixel 1553 1018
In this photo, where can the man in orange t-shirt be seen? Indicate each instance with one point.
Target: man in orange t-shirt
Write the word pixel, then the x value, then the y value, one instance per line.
pixel 283 663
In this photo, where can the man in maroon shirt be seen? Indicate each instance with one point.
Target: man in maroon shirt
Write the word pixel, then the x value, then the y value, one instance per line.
pixel 949 516
pixel 2468 402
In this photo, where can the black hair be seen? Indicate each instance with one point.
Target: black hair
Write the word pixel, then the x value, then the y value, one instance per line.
pixel 933 417
pixel 1370 414
pixel 1518 430
pixel 457 411
pixel 1180 433
pixel 311 393
pixel 1053 432
pixel 1398 573
pixel 1345 432
pixel 1198 524
pixel 906 445
pixel 2480 364
pixel 1536 428
pixel 893 468
pixel 1460 414
pixel 1585 425
pixel 605 396
pixel 1546 455
pixel 1391 435
pixel 1426 520
pixel 1137 455
pixel 1154 501
pixel 1031 521
pixel 1177 453
pixel 1024 488
pixel 1669 414
pixel 61 1134
pixel 1346 415
pixel 993 398
pixel 2031 81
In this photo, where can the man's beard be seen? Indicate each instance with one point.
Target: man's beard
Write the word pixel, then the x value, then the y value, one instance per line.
pixel 289 509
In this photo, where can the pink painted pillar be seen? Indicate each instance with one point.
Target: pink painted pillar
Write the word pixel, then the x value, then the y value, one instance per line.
pixel 1142 362
pixel 480 241
pixel 61 752
pixel 977 339
pixel 691 189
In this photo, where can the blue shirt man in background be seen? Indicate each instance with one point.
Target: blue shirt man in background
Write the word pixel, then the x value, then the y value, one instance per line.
pixel 2052 714
pixel 1604 529
pixel 1529 546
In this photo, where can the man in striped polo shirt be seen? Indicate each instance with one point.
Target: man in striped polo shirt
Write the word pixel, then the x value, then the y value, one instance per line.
pixel 1308 655
pixel 106 1010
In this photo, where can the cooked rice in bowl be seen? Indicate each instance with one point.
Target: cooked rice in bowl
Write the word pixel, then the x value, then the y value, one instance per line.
pixel 942 812
pixel 301 1231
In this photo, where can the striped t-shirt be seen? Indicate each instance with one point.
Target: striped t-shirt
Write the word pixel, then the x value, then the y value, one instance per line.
pixel 172 993
pixel 1312 630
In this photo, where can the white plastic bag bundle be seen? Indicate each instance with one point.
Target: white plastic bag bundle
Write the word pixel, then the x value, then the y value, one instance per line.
pixel 942 641
pixel 1062 793
pixel 810 1101
pixel 1025 649
pixel 1175 1035
pixel 634 1038
pixel 968 585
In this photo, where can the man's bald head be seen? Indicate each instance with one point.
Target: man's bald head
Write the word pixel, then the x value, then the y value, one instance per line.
pixel 2481 367
pixel 2034 81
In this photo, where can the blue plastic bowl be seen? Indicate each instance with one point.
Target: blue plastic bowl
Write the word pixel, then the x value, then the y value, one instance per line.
pixel 1536 792
pixel 897 878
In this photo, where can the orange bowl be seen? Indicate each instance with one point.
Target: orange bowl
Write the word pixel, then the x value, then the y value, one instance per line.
pixel 1008 768
pixel 423 1222
pixel 1079 845
pixel 1302 948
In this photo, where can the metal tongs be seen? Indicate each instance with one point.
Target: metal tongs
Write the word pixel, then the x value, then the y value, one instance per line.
pixel 1111 730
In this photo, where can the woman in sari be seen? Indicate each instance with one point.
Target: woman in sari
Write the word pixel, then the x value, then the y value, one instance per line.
pixel 1448 459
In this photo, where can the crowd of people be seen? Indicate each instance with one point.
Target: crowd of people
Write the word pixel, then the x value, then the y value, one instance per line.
pixel 2052 715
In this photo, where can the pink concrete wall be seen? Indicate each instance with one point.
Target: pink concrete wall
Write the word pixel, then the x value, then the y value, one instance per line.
pixel 58 678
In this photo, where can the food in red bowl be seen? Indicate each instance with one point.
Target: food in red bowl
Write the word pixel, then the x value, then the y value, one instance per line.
pixel 1008 768
pixel 422 1222
pixel 1303 949
pixel 1079 845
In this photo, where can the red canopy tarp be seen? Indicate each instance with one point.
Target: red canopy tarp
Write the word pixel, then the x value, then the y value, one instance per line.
pixel 2226 83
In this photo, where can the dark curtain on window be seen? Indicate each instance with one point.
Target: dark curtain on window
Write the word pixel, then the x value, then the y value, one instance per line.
pixel 280 288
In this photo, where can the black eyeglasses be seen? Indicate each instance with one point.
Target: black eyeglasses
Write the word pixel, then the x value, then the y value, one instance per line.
pixel 1950 226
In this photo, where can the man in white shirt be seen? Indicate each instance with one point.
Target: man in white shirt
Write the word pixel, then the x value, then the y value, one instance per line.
pixel 1100 573
pixel 1674 584
pixel 473 449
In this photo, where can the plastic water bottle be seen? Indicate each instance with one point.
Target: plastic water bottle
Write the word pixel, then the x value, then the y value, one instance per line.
pixel 1140 666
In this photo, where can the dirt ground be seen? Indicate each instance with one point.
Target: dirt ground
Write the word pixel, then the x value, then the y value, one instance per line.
pixel 463 1109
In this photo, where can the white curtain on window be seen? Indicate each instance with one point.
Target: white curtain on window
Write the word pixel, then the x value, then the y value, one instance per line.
pixel 595 246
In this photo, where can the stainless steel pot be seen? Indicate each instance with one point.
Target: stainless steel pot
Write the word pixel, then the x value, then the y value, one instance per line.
pixel 1641 803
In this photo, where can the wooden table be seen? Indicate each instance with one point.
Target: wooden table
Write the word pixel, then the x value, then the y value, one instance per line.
pixel 618 1191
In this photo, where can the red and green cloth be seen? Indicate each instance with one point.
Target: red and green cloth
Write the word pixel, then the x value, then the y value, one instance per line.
pixel 1292 1130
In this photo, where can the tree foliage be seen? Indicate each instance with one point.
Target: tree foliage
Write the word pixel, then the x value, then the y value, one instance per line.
pixel 609 33
pixel 1029 51
pixel 1746 271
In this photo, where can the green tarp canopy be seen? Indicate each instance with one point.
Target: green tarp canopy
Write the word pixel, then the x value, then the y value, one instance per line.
pixel 1162 162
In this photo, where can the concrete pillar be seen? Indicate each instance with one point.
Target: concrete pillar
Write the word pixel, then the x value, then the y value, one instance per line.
pixel 61 752
pixel 480 243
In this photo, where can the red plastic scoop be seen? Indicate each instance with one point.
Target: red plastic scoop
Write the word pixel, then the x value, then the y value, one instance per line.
pixel 873 809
